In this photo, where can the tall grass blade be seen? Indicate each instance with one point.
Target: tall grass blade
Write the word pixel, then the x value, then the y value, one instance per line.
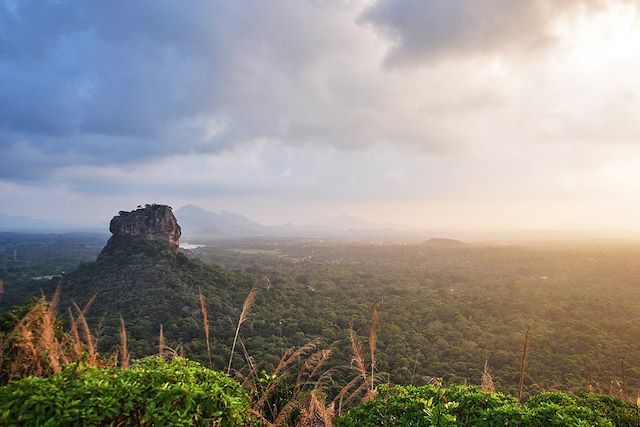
pixel 124 351
pixel 205 322
pixel 487 381
pixel 91 347
pixel 373 338
pixel 523 364
pixel 48 340
pixel 75 335
pixel 244 314
pixel 161 345
pixel 358 354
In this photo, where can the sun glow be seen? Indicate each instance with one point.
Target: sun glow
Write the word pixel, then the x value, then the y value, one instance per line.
pixel 593 40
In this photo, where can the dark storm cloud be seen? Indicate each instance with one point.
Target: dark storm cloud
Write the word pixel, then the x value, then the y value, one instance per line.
pixel 109 82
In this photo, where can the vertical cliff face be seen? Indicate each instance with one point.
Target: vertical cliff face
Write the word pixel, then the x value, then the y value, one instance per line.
pixel 153 222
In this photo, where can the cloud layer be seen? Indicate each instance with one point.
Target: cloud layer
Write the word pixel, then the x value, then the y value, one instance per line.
pixel 398 110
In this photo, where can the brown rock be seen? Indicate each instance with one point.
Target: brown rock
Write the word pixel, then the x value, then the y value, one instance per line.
pixel 153 222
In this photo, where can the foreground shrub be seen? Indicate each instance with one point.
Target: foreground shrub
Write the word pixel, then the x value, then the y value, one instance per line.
pixel 473 403
pixel 621 413
pixel 469 406
pixel 428 406
pixel 152 392
pixel 402 406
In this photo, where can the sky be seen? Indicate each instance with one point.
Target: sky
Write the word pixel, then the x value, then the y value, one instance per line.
pixel 456 114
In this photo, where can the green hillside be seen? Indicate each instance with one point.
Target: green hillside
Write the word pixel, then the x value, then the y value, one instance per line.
pixel 149 285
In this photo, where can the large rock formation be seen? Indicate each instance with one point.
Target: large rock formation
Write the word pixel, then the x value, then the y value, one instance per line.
pixel 153 222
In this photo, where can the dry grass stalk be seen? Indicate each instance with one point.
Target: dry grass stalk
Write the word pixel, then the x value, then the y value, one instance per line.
pixel 343 392
pixel 615 389
pixel 325 378
pixel 28 360
pixel 291 355
pixel 623 381
pixel 487 381
pixel 370 395
pixel 523 364
pixel 312 409
pixel 364 386
pixel 89 303
pixel 285 361
pixel 323 356
pixel 49 344
pixel 358 354
pixel 250 361
pixel 284 413
pixel 249 381
pixel 33 343
pixel 373 337
pixel 205 321
pixel 331 411
pixel 307 367
pixel 244 314
pixel 48 340
pixel 75 335
pixel 161 344
pixel 316 414
pixel 91 347
pixel 38 347
pixel 363 391
pixel 124 351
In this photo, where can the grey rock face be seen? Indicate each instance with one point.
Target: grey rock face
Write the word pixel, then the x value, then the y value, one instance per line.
pixel 153 222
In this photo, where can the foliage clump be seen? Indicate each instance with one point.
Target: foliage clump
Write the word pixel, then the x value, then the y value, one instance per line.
pixel 622 413
pixel 469 406
pixel 151 392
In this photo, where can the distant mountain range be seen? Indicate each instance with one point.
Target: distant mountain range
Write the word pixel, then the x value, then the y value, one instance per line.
pixel 197 222
pixel 202 224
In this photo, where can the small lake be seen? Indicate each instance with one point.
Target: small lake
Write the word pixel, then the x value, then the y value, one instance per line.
pixel 190 246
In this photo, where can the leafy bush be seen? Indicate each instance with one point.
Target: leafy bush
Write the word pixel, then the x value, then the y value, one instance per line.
pixel 152 392
pixel 551 414
pixel 469 406
pixel 621 413
pixel 473 403
pixel 551 397
pixel 402 406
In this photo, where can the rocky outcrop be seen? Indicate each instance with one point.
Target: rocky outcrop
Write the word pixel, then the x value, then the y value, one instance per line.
pixel 153 222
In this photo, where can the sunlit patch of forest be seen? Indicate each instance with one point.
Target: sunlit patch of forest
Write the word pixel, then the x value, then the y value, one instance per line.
pixel 447 309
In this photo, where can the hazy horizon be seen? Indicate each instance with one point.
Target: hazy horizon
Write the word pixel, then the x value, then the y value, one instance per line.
pixel 338 228
pixel 485 116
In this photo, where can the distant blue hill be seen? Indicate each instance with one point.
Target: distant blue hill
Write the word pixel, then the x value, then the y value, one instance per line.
pixel 195 220
pixel 198 222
